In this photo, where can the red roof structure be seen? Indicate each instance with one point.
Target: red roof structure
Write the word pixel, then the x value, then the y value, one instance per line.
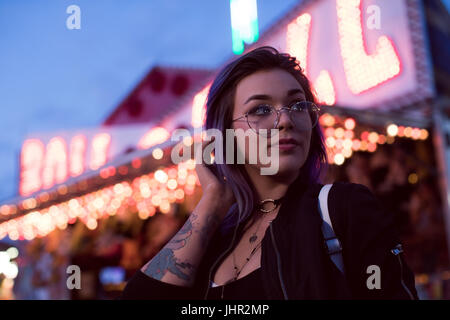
pixel 155 95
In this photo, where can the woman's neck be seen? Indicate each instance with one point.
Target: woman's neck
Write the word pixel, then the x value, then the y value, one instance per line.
pixel 269 187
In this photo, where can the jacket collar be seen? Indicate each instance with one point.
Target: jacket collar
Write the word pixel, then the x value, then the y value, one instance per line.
pixel 296 191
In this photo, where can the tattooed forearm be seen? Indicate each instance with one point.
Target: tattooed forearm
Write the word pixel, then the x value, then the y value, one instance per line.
pixel 165 261
pixel 179 259
pixel 212 221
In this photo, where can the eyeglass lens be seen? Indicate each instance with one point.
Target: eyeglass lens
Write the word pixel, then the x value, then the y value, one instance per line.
pixel 303 114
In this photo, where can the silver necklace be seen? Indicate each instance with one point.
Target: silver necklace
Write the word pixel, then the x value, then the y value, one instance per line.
pixel 261 207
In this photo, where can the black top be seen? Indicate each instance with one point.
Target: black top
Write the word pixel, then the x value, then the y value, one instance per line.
pixel 249 287
pixel 294 262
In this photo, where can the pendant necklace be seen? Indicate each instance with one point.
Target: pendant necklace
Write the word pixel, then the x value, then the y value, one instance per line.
pixel 261 207
pixel 254 237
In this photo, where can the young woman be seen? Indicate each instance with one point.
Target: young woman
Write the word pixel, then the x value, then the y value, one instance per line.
pixel 255 236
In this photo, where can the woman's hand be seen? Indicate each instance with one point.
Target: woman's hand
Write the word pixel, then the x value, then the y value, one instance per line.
pixel 178 261
pixel 212 186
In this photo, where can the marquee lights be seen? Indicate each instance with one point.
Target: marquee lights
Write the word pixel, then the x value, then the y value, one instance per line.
pixel 341 139
pixel 77 154
pixel 41 166
pixel 155 136
pixel 363 71
pixel 324 88
pixel 99 152
pixel 31 162
pixel 297 39
pixel 55 165
pixel 199 107
pixel 144 195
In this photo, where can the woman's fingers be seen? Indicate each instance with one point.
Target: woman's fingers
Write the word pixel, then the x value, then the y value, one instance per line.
pixel 194 148
pixel 198 150
pixel 201 159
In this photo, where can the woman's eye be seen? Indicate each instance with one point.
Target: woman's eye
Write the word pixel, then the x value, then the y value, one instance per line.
pixel 260 110
pixel 298 106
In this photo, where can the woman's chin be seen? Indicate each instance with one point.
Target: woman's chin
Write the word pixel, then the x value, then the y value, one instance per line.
pixel 287 173
pixel 283 171
pixel 286 166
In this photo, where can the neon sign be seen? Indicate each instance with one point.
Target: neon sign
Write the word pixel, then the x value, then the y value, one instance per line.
pixel 363 71
pixel 351 63
pixel 244 23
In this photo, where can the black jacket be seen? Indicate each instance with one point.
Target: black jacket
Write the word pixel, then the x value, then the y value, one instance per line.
pixel 294 261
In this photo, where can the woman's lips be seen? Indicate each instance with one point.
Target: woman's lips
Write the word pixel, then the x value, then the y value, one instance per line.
pixel 287 146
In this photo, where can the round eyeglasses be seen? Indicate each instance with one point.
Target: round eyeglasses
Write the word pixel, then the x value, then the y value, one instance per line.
pixel 303 114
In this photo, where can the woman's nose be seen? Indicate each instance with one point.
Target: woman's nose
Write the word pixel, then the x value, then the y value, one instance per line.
pixel 284 120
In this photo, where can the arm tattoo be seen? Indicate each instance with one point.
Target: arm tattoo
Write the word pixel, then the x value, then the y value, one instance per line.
pixel 165 260
pixel 211 221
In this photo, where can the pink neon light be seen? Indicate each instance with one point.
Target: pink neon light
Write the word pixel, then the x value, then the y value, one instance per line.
pixel 77 154
pixel 31 162
pixel 153 137
pixel 199 107
pixel 324 88
pixel 99 151
pixel 363 71
pixel 55 165
pixel 297 39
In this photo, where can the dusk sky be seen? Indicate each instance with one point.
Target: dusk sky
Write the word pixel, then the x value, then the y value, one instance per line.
pixel 53 78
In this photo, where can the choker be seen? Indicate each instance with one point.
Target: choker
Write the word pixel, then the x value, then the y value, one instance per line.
pixel 274 204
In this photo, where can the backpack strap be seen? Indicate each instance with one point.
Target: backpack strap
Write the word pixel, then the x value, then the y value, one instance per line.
pixel 332 243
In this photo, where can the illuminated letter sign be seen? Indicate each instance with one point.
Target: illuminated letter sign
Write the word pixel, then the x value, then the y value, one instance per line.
pixel 244 23
pixel 199 107
pixel 99 152
pixel 77 154
pixel 55 165
pixel 363 71
pixel 31 162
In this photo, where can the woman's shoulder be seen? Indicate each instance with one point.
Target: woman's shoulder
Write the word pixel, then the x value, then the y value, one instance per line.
pixel 350 192
pixel 343 192
pixel 346 186
pixel 356 202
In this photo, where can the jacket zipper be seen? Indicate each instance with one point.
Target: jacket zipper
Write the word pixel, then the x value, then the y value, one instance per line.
pixel 280 276
pixel 396 252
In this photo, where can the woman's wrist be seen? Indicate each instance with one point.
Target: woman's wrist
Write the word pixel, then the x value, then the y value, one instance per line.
pixel 216 199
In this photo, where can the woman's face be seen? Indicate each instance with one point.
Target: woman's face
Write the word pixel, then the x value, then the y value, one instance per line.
pixel 277 88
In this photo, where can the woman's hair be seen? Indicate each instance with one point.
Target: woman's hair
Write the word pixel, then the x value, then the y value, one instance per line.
pixel 219 111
